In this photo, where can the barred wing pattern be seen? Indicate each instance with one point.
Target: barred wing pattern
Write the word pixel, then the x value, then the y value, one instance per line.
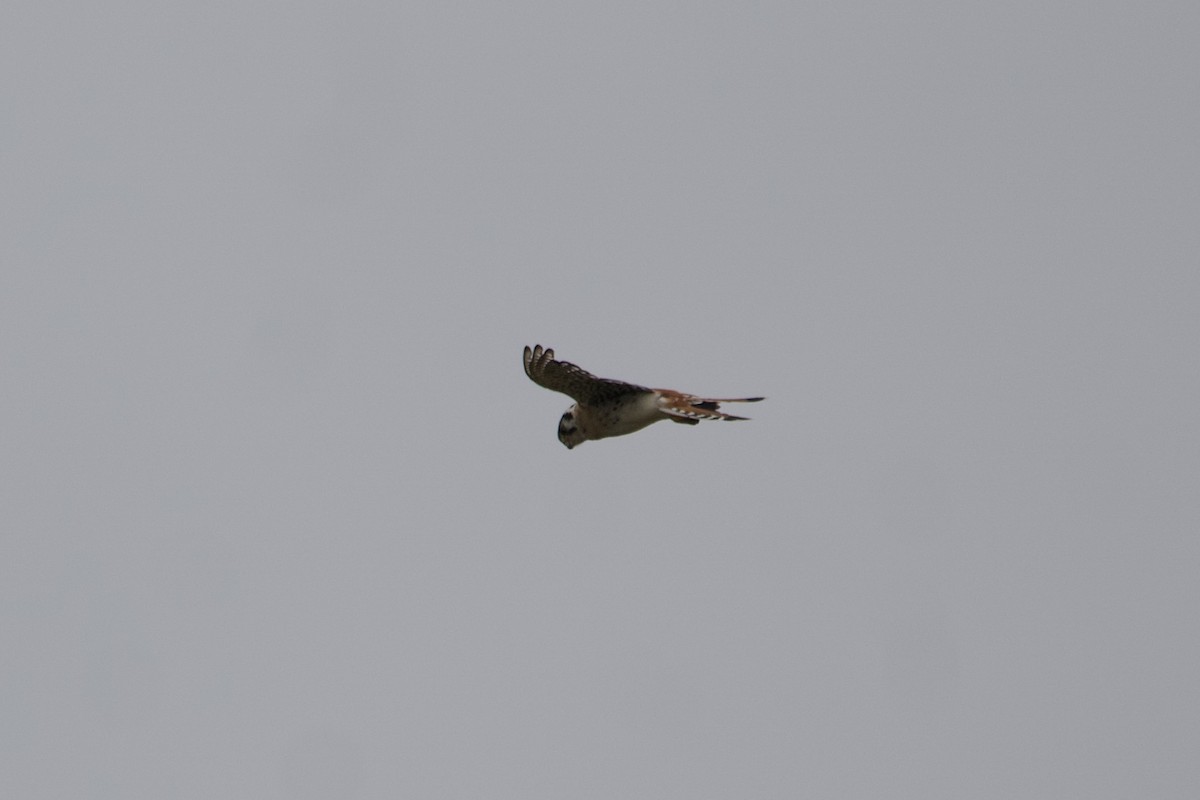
pixel 575 382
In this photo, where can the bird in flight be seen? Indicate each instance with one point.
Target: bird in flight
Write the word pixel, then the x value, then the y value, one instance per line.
pixel 605 407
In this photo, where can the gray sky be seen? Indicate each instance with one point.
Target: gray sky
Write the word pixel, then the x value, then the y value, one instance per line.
pixel 281 516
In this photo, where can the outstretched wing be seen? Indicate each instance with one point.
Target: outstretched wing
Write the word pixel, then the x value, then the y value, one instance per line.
pixel 581 385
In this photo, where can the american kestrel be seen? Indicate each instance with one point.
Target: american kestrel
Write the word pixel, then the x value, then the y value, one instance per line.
pixel 604 407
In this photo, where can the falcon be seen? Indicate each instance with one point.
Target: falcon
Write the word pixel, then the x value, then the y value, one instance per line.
pixel 605 407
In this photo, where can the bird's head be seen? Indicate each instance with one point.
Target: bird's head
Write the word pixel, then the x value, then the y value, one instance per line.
pixel 568 432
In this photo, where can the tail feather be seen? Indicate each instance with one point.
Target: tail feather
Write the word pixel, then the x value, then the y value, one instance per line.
pixel 691 409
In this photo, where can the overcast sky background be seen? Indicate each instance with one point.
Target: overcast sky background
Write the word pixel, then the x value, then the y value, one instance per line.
pixel 282 516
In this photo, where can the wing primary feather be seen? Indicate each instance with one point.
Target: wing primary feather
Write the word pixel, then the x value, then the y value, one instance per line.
pixel 573 380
